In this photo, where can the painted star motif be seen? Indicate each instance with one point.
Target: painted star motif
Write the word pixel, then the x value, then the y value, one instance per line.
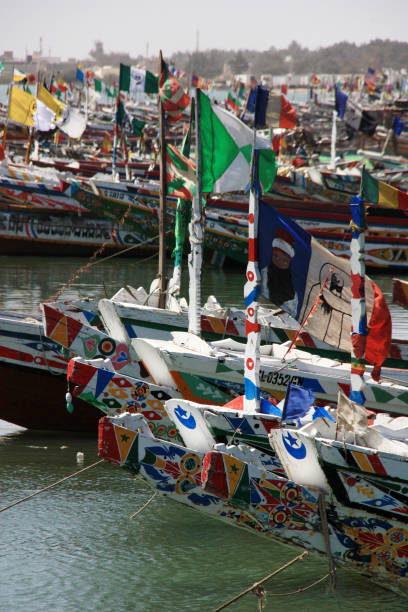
pixel 294 442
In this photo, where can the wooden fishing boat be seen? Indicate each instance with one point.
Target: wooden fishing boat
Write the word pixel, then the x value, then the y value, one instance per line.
pixel 33 370
pixel 26 230
pixel 112 393
pixel 203 370
pixel 33 379
pixel 226 230
pixel 241 487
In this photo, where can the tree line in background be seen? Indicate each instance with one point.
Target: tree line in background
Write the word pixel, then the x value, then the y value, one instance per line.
pixel 340 58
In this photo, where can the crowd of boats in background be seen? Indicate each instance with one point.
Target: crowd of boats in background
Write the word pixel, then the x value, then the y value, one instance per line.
pixel 172 383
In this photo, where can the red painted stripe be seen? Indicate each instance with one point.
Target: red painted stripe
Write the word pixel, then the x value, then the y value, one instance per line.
pixel 377 464
pixel 402 200
pixel 252 249
pixel 251 327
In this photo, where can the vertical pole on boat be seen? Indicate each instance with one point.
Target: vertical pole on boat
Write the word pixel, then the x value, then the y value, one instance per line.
pixel 31 130
pixel 195 258
pixel 358 304
pixel 125 155
pixel 29 141
pixel 7 120
pixel 252 289
pixel 182 211
pixel 86 99
pixel 386 141
pixel 115 137
pixel 333 141
pixel 163 194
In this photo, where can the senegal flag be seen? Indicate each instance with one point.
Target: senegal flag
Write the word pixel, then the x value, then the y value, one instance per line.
pixel 380 193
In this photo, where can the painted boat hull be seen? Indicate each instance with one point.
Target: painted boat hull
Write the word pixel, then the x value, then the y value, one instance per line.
pixel 225 486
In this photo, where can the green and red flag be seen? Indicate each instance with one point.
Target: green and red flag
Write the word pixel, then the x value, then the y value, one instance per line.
pixel 54 86
pixel 180 174
pixel 174 99
pixel 62 85
pixel 378 192
pixel 232 102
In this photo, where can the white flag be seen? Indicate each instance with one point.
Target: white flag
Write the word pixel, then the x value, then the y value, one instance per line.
pixel 43 117
pixel 350 415
pixel 73 123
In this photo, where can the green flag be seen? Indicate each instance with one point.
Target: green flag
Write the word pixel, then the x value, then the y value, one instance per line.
pixel 137 126
pixel 226 147
pixel 184 171
pixel 121 113
pixel 98 85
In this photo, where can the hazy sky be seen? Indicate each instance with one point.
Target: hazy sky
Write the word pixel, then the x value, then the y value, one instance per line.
pixel 70 28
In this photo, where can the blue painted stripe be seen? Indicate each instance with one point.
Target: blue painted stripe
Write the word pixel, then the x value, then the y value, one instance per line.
pixel 252 297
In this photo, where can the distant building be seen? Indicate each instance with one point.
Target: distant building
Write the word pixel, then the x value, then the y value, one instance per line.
pixel 45 59
pixel 8 58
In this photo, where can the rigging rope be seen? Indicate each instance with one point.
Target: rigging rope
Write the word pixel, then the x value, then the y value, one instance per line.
pixel 256 585
pixel 91 263
pixel 88 467
pixel 144 505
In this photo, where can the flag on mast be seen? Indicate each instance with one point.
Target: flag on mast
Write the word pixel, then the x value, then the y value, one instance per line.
pixel 378 192
pixel 226 144
pixel 24 108
pixel 137 80
pixel 275 110
pixel 174 99
pixel 18 76
pixel 306 280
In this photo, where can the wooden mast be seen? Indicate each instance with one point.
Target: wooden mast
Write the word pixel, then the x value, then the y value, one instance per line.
pixel 163 193
pixel 358 304
pixel 252 290
pixel 195 258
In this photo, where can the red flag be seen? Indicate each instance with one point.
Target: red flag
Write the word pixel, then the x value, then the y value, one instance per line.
pixel 280 112
pixel 287 115
pixel 379 333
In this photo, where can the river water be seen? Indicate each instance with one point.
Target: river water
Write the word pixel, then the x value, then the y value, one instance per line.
pixel 74 548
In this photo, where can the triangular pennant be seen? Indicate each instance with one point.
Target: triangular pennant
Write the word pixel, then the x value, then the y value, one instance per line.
pixel 213 475
pixel 80 373
pixel 52 318
pixel 234 469
pixel 60 332
pixel 124 438
pixel 103 378
pixel 107 442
